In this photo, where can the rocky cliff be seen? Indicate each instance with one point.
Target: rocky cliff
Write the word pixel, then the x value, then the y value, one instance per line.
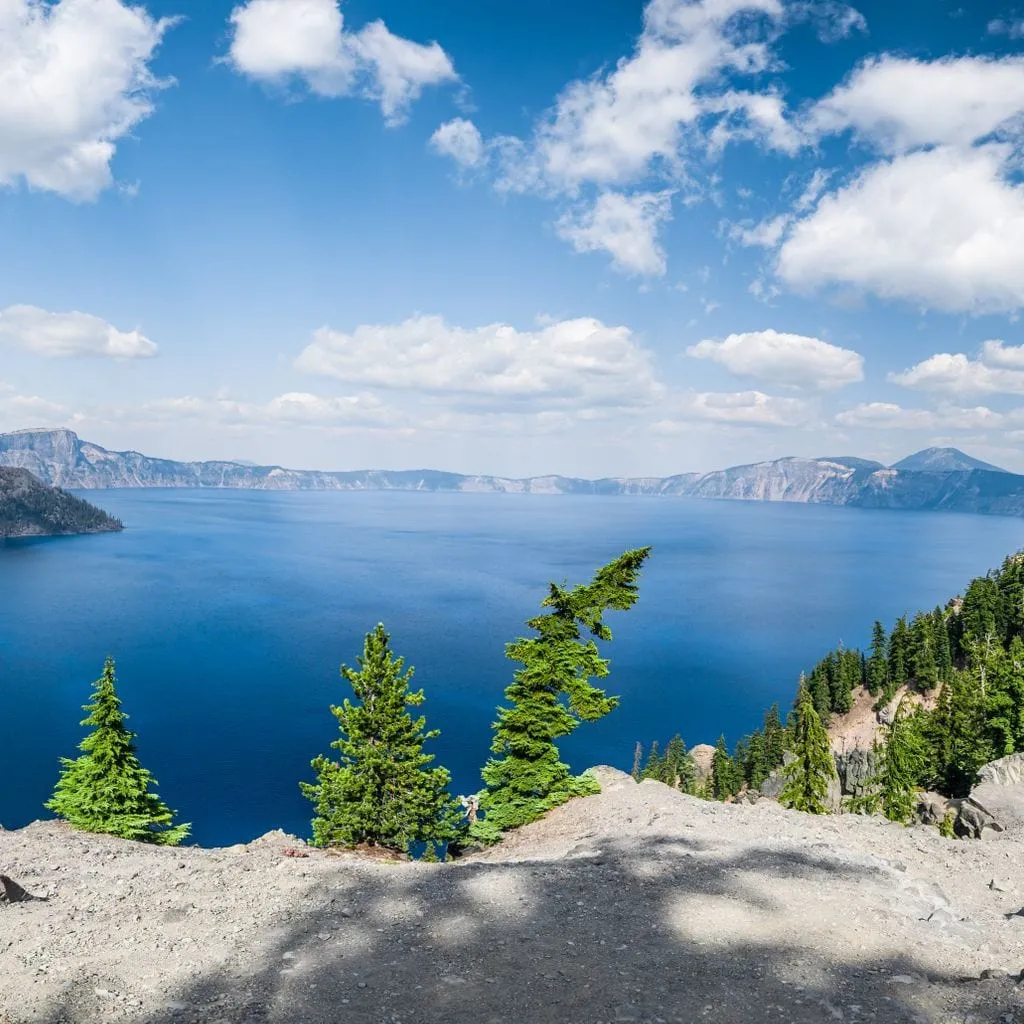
pixel 29 508
pixel 61 458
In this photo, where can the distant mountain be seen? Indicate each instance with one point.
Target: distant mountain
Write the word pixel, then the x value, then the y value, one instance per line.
pixel 28 508
pixel 943 460
pixel 61 458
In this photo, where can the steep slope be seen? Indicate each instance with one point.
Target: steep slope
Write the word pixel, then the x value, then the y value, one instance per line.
pixel 639 904
pixel 943 460
pixel 28 508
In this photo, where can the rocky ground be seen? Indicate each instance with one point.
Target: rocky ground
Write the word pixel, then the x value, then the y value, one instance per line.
pixel 640 904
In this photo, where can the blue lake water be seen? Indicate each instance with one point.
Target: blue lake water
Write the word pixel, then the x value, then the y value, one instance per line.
pixel 229 613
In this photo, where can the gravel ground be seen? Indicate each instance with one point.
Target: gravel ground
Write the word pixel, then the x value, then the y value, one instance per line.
pixel 639 904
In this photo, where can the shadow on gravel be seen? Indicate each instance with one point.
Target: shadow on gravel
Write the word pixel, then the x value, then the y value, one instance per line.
pixel 678 933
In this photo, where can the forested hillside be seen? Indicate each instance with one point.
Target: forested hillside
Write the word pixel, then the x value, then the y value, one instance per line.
pixel 967 656
pixel 29 508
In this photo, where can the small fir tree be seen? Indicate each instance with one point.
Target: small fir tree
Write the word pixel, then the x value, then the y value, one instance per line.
pixel 382 791
pixel 550 696
pixel 900 762
pixel 652 768
pixel 638 757
pixel 812 769
pixel 725 774
pixel 107 790
pixel 878 662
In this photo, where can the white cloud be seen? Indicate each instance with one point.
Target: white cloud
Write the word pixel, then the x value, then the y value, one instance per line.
pixel 612 128
pixel 626 226
pixel 570 362
pixel 293 408
pixel 890 416
pixel 791 360
pixel 70 334
pixel 831 19
pixel 74 80
pixel 742 408
pixel 956 374
pixel 899 104
pixel 767 234
pixel 943 228
pixel 1012 27
pixel 996 353
pixel 278 41
pixel 461 140
pixel 18 410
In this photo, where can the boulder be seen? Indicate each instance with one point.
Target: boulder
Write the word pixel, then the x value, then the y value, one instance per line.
pixel 703 757
pixel 999 793
pixel 855 767
pixel 973 819
pixel 931 808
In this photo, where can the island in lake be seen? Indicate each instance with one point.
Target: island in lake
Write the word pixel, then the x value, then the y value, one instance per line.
pixel 30 508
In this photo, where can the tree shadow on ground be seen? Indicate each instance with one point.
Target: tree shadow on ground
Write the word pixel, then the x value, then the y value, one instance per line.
pixel 671 931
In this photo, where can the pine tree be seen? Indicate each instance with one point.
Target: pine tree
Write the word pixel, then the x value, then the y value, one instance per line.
pixel 900 762
pixel 898 656
pixel 812 769
pixel 774 741
pixel 943 651
pixel 382 790
pixel 550 696
pixel 674 767
pixel 878 663
pixel 107 790
pixel 923 665
pixel 725 776
pixel 638 757
pixel 652 767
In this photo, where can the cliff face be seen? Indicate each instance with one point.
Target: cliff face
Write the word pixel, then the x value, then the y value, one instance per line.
pixel 61 458
pixel 29 508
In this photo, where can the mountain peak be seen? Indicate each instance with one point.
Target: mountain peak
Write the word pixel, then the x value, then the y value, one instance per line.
pixel 943 460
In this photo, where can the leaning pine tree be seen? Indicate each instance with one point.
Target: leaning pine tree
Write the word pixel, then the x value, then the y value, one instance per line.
pixel 812 769
pixel 106 789
pixel 550 696
pixel 382 791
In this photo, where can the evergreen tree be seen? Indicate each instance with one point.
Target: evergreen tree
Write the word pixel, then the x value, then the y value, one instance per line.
pixel 774 741
pixel 878 662
pixel 638 757
pixel 725 775
pixel 899 642
pixel 652 768
pixel 943 651
pixel 381 791
pixel 550 696
pixel 812 769
pixel 678 769
pixel 107 790
pixel 900 762
pixel 924 667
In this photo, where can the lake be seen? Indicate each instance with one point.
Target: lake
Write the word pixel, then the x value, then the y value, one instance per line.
pixel 229 613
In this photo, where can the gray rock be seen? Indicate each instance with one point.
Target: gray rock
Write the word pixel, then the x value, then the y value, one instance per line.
pixel 855 768
pixel 999 793
pixel 931 808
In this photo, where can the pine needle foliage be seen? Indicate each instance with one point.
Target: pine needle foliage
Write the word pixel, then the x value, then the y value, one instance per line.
pixel 812 769
pixel 382 791
pixel 107 790
pixel 901 761
pixel 550 696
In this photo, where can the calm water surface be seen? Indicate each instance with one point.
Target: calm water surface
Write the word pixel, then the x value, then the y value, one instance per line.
pixel 229 613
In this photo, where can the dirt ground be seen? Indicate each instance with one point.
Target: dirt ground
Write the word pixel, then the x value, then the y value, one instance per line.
pixel 639 904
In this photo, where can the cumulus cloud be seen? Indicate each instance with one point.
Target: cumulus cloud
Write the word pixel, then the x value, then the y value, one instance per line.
pixel 943 228
pixel 790 360
pixel 626 226
pixel 649 121
pixel 898 104
pixel 70 334
pixel 18 410
pixel 281 41
pixel 74 80
pixel 1012 27
pixel 461 140
pixel 957 374
pixel 569 362
pixel 890 416
pixel 832 20
pixel 742 408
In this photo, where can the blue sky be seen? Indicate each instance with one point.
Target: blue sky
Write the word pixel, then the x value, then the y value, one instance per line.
pixel 622 238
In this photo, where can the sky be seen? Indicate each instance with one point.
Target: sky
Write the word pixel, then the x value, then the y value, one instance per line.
pixel 621 238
